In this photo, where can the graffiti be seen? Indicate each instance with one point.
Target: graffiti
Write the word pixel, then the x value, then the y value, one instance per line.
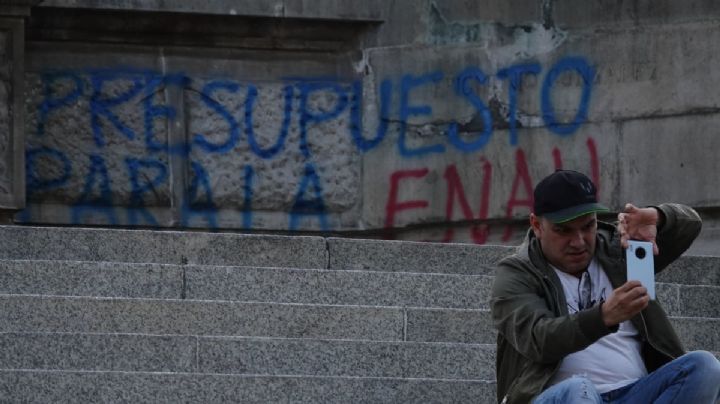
pixel 104 93
pixel 520 198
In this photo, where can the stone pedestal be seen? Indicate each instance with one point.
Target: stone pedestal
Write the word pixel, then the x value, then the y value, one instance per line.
pixel 12 145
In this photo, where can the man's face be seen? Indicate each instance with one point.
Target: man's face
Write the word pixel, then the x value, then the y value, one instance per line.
pixel 569 246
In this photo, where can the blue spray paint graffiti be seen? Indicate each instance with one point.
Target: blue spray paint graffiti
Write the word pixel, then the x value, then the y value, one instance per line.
pixel 309 207
pixel 320 100
pixel 407 110
pixel 103 203
pixel 134 167
pixel 35 181
pixel 587 73
pixel 270 152
pixel 463 88
pixel 514 75
pixel 234 135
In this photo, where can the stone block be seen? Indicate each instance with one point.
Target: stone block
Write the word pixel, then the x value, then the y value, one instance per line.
pixel 44 387
pixel 463 326
pixel 73 244
pixel 364 288
pixel 698 333
pixel 692 270
pixel 127 353
pixel 668 295
pixel 136 316
pixel 346 358
pixel 414 257
pixel 254 250
pixel 700 301
pixel 144 246
pixel 66 278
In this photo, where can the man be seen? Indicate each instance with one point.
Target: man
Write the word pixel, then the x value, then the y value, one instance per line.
pixel 571 328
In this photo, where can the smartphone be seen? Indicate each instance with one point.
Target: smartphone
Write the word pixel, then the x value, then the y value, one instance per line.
pixel 640 264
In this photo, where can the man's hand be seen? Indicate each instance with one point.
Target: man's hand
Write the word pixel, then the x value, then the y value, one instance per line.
pixel 638 224
pixel 624 303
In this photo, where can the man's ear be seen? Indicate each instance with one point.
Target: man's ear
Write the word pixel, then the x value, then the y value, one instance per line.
pixel 535 225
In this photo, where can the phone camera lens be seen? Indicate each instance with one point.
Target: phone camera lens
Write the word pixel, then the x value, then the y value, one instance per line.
pixel 640 253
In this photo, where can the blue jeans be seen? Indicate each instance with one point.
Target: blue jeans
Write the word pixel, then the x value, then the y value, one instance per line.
pixel 691 378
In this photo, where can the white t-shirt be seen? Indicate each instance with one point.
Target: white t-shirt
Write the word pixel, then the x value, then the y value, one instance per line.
pixel 614 360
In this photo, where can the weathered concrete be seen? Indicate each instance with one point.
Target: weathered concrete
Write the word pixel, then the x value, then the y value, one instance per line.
pixel 12 139
pixel 405 119
pixel 325 9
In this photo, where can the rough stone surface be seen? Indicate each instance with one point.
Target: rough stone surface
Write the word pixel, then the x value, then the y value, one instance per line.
pixel 52 243
pixel 43 387
pixel 280 170
pixel 700 301
pixel 98 315
pixel 698 333
pixel 337 287
pixel 692 270
pixel 457 326
pixel 255 250
pixel 48 243
pixel 68 278
pixel 414 257
pixel 669 297
pixel 100 148
pixel 98 352
pixel 346 358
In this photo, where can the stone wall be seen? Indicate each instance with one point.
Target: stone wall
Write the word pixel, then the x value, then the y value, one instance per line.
pixel 426 120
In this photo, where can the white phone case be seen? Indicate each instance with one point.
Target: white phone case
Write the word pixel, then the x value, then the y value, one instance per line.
pixel 640 264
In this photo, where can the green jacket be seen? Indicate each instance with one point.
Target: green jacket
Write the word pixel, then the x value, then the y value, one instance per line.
pixel 535 330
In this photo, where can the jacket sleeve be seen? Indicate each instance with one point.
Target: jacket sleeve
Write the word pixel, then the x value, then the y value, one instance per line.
pixel 680 228
pixel 523 317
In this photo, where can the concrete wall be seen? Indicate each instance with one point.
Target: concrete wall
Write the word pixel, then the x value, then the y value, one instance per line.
pixel 426 120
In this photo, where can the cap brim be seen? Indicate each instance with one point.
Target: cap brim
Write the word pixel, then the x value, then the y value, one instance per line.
pixel 574 212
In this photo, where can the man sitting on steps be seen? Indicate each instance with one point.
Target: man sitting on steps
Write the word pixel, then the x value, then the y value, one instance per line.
pixel 571 328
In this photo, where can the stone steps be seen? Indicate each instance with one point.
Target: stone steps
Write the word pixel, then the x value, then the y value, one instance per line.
pixel 160 316
pixel 32 386
pixel 242 355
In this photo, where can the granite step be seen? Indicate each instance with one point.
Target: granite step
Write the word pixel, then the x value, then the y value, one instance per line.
pixel 475 326
pixel 287 285
pixel 243 355
pixel 36 314
pixel 248 284
pixel 28 313
pixel 162 247
pixel 410 256
pixel 305 252
pixel 30 386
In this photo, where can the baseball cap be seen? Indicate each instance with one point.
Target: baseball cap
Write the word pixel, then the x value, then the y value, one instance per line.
pixel 566 195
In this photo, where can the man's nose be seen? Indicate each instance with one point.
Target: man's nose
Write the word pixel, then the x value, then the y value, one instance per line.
pixel 577 239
